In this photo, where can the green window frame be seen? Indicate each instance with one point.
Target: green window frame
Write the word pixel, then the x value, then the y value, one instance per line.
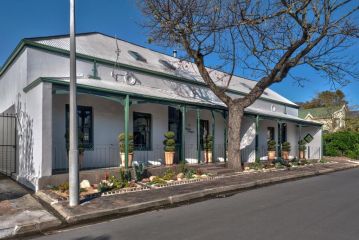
pixel 85 126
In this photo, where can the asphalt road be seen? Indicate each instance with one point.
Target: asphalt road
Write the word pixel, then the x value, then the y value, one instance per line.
pixel 323 207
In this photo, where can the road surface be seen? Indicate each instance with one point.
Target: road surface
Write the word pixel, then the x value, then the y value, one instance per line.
pixel 324 207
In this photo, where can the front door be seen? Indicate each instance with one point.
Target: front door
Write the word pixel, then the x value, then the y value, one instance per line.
pixel 175 125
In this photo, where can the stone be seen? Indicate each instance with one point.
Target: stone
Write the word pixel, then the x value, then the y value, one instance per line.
pixel 180 175
pixel 152 177
pixel 204 176
pixel 85 184
pixel 246 168
pixel 196 176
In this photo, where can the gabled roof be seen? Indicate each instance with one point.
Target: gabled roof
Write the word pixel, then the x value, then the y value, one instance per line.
pixel 100 47
pixel 320 112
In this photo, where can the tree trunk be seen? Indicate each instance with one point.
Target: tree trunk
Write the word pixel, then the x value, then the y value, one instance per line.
pixel 235 115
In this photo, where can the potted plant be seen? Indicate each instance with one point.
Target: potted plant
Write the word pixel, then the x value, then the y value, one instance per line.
pixel 271 150
pixel 80 146
pixel 121 139
pixel 302 148
pixel 208 144
pixel 169 147
pixel 285 150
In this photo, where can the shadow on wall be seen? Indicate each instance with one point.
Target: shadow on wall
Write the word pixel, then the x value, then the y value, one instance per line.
pixel 25 143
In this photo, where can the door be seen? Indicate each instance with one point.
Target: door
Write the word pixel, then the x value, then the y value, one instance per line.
pixel 7 144
pixel 175 125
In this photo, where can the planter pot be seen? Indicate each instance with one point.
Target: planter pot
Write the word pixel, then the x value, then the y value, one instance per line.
pixel 301 154
pixel 208 157
pixel 169 156
pixel 271 156
pixel 130 158
pixel 285 155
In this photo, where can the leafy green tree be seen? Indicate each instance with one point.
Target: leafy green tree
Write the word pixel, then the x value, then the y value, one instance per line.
pixel 344 143
pixel 326 99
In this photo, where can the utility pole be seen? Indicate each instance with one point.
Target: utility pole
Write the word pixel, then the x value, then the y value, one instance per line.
pixel 73 139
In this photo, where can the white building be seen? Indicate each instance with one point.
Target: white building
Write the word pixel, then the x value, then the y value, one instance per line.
pixel 164 94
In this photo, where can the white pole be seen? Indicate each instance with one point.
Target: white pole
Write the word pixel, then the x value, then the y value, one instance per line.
pixel 73 150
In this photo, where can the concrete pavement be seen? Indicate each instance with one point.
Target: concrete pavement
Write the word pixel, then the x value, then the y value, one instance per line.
pixel 20 213
pixel 323 207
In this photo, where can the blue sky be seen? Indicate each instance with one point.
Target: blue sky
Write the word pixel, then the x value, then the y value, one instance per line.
pixel 22 18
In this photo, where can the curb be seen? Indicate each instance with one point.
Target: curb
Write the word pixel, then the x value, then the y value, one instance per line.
pixel 190 197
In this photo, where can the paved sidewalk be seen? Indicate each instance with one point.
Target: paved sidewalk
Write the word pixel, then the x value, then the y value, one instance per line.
pixel 20 213
pixel 130 203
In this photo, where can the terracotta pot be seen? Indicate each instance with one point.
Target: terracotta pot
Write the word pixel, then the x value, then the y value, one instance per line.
pixel 271 156
pixel 169 156
pixel 301 154
pixel 130 158
pixel 208 157
pixel 285 155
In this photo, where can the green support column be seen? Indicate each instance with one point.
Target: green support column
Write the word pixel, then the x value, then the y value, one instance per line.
pixel 198 136
pixel 127 113
pixel 183 150
pixel 257 139
pixel 225 135
pixel 213 133
pixel 279 138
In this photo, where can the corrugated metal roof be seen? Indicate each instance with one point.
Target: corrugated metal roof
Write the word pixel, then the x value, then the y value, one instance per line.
pixel 210 99
pixel 102 46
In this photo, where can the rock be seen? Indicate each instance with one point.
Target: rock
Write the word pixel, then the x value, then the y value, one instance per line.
pixel 85 184
pixel 204 176
pixel 145 180
pixel 196 176
pixel 152 177
pixel 246 168
pixel 180 175
pixel 170 181
pixel 179 179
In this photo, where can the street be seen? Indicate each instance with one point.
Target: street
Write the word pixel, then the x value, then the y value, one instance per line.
pixel 323 207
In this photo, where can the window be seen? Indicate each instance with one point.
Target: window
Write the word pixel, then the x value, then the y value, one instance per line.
pixel 85 126
pixel 204 131
pixel 137 56
pixel 270 133
pixel 167 65
pixel 142 131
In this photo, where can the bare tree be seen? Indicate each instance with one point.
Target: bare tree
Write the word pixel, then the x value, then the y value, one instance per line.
pixel 267 38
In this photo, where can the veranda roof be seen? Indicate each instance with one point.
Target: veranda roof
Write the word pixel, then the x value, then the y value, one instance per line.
pixel 111 89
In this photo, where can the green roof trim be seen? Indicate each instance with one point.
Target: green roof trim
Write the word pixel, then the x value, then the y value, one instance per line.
pixel 105 92
pixel 29 43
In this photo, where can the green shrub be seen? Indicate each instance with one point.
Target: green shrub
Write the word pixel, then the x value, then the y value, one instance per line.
pixel 256 165
pixel 169 142
pixel 158 180
pixel 286 146
pixel 121 139
pixel 301 145
pixel 208 143
pixel 169 175
pixel 344 143
pixel 271 145
pixel 140 171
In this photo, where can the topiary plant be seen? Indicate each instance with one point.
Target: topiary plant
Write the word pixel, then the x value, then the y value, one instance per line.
pixel 169 142
pixel 301 145
pixel 208 143
pixel 271 145
pixel 286 147
pixel 121 139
